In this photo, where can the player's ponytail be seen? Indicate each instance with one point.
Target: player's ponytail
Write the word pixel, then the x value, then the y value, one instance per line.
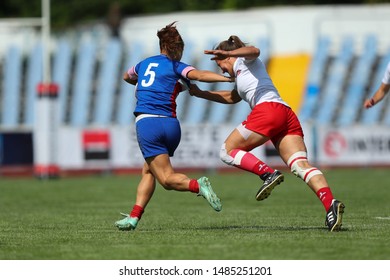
pixel 233 43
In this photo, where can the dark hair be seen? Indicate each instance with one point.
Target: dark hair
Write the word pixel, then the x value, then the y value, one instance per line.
pixel 230 44
pixel 171 41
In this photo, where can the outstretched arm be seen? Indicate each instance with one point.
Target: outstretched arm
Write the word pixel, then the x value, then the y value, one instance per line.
pixel 249 52
pixel 378 96
pixel 208 76
pixel 222 96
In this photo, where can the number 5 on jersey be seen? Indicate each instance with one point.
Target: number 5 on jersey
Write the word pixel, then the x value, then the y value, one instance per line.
pixel 149 75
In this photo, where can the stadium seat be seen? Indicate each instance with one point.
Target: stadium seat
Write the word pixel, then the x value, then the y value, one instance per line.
pixel 358 81
pixel 240 112
pixel 314 80
pixel 373 115
pixel 197 107
pixel 127 100
pixel 61 76
pixel 334 85
pixel 12 71
pixel 107 80
pixel 34 76
pixel 219 113
pixel 82 86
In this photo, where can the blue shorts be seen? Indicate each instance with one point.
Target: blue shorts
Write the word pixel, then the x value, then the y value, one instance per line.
pixel 158 135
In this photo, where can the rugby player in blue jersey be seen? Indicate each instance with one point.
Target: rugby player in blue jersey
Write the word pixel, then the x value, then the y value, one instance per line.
pixel 158 80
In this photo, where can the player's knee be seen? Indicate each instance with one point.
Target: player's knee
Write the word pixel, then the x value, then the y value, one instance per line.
pixel 295 163
pixel 224 156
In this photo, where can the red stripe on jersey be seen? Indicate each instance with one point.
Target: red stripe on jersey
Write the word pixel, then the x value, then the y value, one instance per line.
pixel 174 95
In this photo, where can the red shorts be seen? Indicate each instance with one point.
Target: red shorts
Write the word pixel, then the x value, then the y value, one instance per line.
pixel 273 120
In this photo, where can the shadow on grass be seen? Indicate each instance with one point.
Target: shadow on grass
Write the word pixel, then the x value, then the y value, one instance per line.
pixel 268 228
pixel 252 228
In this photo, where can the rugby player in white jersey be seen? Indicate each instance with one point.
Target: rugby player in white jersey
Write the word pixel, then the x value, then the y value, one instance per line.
pixel 270 119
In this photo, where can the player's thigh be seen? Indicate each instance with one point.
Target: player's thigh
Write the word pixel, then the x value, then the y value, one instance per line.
pixel 244 139
pixel 289 145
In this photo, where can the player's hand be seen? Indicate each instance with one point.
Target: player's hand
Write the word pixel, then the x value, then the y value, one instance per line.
pixel 232 79
pixel 193 89
pixel 368 103
pixel 218 54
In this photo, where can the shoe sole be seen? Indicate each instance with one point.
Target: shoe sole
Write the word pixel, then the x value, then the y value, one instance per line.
pixel 264 193
pixel 214 201
pixel 338 224
pixel 126 228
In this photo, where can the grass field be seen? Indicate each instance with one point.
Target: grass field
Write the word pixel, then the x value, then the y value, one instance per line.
pixel 73 219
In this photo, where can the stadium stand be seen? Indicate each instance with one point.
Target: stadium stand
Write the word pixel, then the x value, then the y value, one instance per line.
pixel 219 113
pixel 107 81
pixel 126 100
pixel 83 78
pixel 92 92
pixel 62 63
pixel 196 107
pixel 353 100
pixel 315 78
pixel 11 100
pixel 333 90
pixel 373 115
pixel 34 76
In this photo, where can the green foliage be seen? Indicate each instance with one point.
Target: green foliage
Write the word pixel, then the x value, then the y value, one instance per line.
pixel 73 218
pixel 68 13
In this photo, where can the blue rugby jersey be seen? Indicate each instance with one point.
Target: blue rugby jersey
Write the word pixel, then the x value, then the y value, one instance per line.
pixel 160 80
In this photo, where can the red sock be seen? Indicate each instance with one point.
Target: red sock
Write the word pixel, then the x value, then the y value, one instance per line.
pixel 137 211
pixel 249 162
pixel 326 197
pixel 194 186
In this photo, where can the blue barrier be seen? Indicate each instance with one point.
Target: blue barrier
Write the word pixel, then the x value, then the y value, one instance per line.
pixel 62 63
pixel 353 101
pixel 12 87
pixel 107 81
pixel 84 76
pixel 333 90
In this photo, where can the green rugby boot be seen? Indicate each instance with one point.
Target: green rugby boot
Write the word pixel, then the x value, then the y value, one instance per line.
pixel 207 192
pixel 127 223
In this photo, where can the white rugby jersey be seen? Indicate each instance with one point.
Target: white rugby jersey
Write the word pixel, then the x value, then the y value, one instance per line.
pixel 253 83
pixel 386 77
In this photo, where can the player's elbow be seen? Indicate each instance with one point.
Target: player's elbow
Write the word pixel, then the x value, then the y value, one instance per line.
pixel 256 52
pixel 126 77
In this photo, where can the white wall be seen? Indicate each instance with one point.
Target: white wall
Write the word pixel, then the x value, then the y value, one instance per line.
pixel 292 29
